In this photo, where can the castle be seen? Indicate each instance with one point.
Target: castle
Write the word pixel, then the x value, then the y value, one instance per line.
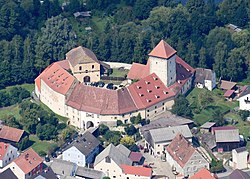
pixel 62 87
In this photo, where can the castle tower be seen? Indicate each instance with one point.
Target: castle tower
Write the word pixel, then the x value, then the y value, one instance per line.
pixel 162 62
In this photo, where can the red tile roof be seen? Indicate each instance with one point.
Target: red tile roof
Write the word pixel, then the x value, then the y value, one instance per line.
pixel 28 160
pixel 134 170
pixel 180 150
pixel 101 100
pixel 149 91
pixel 203 174
pixel 3 149
pixel 10 133
pixel 227 85
pixel 135 156
pixel 228 93
pixel 162 50
pixel 138 71
pixel 64 64
pixel 56 78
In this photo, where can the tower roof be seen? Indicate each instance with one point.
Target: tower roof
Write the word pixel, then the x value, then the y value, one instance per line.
pixel 162 50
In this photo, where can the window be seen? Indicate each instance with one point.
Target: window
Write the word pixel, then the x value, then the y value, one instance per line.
pixel 86 71
pixel 93 66
pixel 147 110
pixel 80 68
pixel 155 107
pixel 107 160
pixel 114 176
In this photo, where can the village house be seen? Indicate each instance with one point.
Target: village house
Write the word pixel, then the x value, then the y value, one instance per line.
pixel 206 127
pixel 157 139
pixel 205 78
pixel 83 150
pixel 244 99
pixel 12 135
pixel 203 174
pixel 27 165
pixel 239 158
pixel 110 161
pixel 239 174
pixel 88 106
pixel 183 157
pixel 7 154
pixel 226 138
pixel 8 174
pixel 136 172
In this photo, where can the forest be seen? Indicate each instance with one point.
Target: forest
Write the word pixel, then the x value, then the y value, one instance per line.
pixel 35 34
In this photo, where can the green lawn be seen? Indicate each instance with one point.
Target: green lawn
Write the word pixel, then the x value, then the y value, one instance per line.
pixel 29 87
pixel 119 72
pixel 39 145
pixel 10 111
pixel 203 115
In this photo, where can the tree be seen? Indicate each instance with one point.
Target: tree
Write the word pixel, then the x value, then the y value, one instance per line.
pixel 119 123
pixel 127 141
pixel 181 107
pixel 191 55
pixel 142 8
pixel 12 122
pixel 205 99
pixel 220 57
pixel 202 58
pixel 24 144
pixel 57 38
pixel 103 129
pixel 46 132
pixel 218 117
pixel 130 130
pixel 244 114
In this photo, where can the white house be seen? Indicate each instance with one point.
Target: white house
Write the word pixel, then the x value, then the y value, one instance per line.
pixel 244 99
pixel 184 158
pixel 239 158
pixel 7 154
pixel 83 150
pixel 157 139
pixel 205 78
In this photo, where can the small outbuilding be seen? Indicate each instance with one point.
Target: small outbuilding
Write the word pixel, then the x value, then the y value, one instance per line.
pixel 207 127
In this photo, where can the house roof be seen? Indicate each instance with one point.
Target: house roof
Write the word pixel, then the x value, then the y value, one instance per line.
pixel 138 71
pixel 228 93
pixel 11 133
pixel 3 149
pixel 62 167
pixel 81 55
pixel 46 173
pixel 84 172
pixel 245 91
pixel 149 91
pixel 180 150
pixel 208 125
pixel 85 143
pixel 123 149
pixel 239 174
pixel 209 140
pixel 113 153
pixel 135 156
pixel 8 174
pixel 162 50
pixel 227 85
pixel 203 174
pixel 64 64
pixel 165 119
pixel 56 78
pixel 166 134
pixel 28 160
pixel 223 128
pixel 100 100
pixel 202 74
pixel 241 149
pixel 136 170
pixel 227 135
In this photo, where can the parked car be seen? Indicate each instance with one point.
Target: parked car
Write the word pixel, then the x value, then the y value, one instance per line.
pixel 110 86
pixel 248 138
pixel 101 84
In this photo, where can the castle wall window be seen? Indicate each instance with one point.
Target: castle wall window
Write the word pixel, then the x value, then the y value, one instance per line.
pixel 80 68
pixel 93 66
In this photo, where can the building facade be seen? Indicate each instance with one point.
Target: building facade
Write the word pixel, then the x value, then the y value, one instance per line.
pixel 7 154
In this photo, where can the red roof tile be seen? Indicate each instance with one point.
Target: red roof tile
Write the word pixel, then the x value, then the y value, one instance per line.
pixel 149 91
pixel 56 78
pixel 227 85
pixel 135 156
pixel 134 170
pixel 64 64
pixel 180 150
pixel 223 128
pixel 203 174
pixel 28 160
pixel 10 133
pixel 138 71
pixel 3 149
pixel 101 100
pixel 162 50
pixel 228 93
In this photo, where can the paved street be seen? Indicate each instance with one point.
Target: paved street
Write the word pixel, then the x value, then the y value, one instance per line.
pixel 159 167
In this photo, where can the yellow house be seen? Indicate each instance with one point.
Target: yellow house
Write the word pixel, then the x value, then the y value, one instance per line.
pixel 84 64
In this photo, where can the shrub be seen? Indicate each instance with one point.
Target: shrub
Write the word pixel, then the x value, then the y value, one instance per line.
pixel 119 122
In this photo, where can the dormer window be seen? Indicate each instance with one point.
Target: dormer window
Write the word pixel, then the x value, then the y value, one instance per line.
pixel 148 100
pixel 147 82
pixel 157 87
pixel 165 92
pixel 141 95
pixel 149 91
pixel 139 87
pixel 155 78
pixel 157 96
